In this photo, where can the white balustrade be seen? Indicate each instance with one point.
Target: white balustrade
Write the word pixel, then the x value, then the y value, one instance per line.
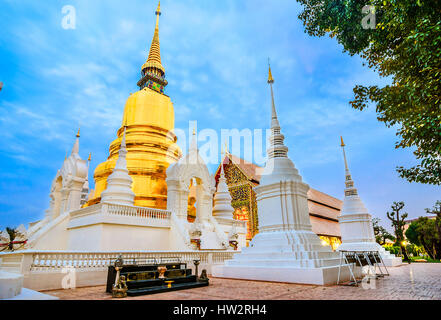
pixel 140 212
pixel 55 261
pixel 121 210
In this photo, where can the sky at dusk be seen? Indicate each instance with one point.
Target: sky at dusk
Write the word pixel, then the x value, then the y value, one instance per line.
pixel 215 54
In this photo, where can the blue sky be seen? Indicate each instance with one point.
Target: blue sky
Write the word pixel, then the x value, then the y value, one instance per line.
pixel 215 54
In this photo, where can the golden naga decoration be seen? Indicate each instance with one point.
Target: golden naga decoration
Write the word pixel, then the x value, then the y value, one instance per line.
pixel 151 144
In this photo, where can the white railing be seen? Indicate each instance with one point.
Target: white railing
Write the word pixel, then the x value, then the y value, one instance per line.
pixel 47 261
pixel 177 225
pixel 139 212
pixel 222 237
pixel 57 260
pixel 123 211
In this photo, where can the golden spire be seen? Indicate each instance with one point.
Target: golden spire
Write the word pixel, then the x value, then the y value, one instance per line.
pixel 78 133
pixel 90 156
pixel 270 76
pixel 342 142
pixel 154 59
pixel 344 155
pixel 158 11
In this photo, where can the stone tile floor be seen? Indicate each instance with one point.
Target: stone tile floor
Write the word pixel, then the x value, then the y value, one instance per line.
pixel 415 281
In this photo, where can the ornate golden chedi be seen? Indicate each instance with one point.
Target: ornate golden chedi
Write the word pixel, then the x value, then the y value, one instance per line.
pixel 151 144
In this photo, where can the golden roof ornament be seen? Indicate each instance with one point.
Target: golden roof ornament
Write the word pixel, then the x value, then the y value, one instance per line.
pixel 78 133
pixel 226 148
pixel 158 10
pixel 90 157
pixel 342 142
pixel 270 75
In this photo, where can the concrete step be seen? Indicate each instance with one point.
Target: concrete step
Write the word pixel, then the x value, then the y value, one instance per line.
pixel 307 263
pixel 289 255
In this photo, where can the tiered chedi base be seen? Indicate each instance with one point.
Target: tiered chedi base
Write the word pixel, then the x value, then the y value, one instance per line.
pixel 390 260
pixel 357 231
pixel 356 227
pixel 284 256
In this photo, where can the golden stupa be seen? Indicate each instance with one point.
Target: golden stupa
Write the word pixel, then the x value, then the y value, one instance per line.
pixel 151 144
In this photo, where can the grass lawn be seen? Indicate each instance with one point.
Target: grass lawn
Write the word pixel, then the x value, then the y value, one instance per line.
pixel 428 260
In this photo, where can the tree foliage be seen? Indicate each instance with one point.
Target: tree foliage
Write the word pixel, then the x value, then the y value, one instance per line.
pixel 398 222
pixel 13 233
pixel 405 47
pixel 423 232
pixel 381 234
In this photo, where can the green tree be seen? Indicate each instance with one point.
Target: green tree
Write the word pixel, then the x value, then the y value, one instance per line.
pixel 381 234
pixel 436 210
pixel 397 218
pixel 405 47
pixel 13 233
pixel 423 232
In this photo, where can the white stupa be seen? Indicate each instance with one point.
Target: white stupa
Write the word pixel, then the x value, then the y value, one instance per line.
pixel 285 249
pixel 119 183
pixel 357 232
pixel 222 198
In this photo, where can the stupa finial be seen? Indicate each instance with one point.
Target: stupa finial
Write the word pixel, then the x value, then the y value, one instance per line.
pixel 158 10
pixel 350 189
pixel 344 155
pixel 270 75
pixel 76 147
pixel 153 63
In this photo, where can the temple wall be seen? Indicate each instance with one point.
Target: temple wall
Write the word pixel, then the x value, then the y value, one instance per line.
pixel 110 237
pixel 53 236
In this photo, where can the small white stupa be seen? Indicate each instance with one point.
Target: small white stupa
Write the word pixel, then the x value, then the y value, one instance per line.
pixel 119 183
pixel 222 198
pixel 357 232
pixel 285 249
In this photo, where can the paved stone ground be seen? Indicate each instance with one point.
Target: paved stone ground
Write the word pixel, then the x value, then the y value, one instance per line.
pixel 415 281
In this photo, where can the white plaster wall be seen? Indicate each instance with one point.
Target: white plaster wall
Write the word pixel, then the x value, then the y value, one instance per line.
pixel 87 238
pixel 106 237
pixel 176 241
pixel 54 237
pixel 136 238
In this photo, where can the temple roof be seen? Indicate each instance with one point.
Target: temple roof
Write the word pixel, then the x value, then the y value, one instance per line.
pixel 250 170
